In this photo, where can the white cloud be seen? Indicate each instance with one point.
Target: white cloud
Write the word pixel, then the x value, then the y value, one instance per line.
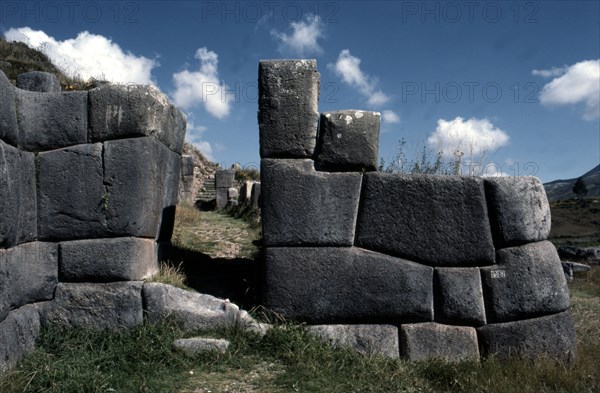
pixel 348 68
pixel 473 137
pixel 390 117
pixel 552 72
pixel 202 86
pixel 88 56
pixel 195 136
pixel 578 84
pixel 303 39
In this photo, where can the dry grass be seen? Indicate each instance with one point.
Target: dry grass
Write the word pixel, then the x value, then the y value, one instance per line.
pixel 170 274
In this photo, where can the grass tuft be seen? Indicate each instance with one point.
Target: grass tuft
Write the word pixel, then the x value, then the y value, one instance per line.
pixel 170 274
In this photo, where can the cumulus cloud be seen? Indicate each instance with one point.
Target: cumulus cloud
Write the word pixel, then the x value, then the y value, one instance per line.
pixel 203 86
pixel 577 84
pixel 303 39
pixel 471 138
pixel 390 117
pixel 552 72
pixel 88 56
pixel 195 136
pixel 347 67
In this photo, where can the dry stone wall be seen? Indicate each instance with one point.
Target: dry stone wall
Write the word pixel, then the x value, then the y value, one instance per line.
pixel 446 266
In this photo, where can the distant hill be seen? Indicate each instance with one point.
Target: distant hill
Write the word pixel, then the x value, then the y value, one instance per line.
pixel 563 189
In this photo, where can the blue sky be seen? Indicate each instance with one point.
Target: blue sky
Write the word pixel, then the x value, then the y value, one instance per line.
pixel 516 84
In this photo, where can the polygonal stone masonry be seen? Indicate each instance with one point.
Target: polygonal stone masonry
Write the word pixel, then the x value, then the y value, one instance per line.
pixel 370 340
pixel 459 299
pixel 18 334
pixel 428 341
pixel 42 82
pixel 9 130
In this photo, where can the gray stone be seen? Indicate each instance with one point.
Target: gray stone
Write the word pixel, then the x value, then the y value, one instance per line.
pixel 170 196
pixel 519 210
pixel 119 111
pixel 302 207
pixel 460 297
pixel 9 131
pixel 552 335
pixel 18 205
pixel 346 285
pixel 187 165
pixel 114 259
pixel 436 220
pixel 221 198
pixel 255 197
pixel 233 193
pixel 246 191
pixel 381 340
pixel 72 198
pixel 28 274
pixel 589 255
pixel 288 95
pixel 224 178
pixel 102 306
pixel 18 333
pixel 349 141
pixel 528 281
pixel 135 178
pixel 197 345
pixel 42 82
pixel 428 341
pixel 52 120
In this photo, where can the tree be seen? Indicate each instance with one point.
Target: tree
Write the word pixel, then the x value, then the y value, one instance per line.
pixel 579 188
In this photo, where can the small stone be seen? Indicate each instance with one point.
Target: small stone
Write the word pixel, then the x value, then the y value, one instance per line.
pixel 197 345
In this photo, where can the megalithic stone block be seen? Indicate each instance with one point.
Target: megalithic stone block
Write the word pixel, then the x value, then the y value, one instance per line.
pixel 304 207
pixel 436 220
pixel 18 334
pixel 349 141
pixel 224 178
pixel 52 120
pixel 369 340
pixel 288 95
pixel 18 206
pixel 119 111
pixel 526 282
pixel 459 297
pixel 170 196
pixel 519 210
pixel 429 341
pixel 72 197
pixel 42 82
pixel 187 165
pixel 9 131
pixel 221 197
pixel 255 197
pixel 322 285
pixel 552 335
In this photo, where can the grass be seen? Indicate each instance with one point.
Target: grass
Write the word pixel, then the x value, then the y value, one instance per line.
pixel 575 222
pixel 170 274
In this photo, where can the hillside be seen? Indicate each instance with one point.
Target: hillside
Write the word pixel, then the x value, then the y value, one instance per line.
pixel 562 189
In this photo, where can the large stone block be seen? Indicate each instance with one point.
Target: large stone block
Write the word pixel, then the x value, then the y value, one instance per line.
pixel 170 196
pixel 460 297
pixel 436 220
pixel 42 82
pixel 224 178
pixel 303 207
pixel 427 341
pixel 552 335
pixel 97 306
pixel 114 259
pixel 255 197
pixel 519 210
pixel 528 281
pixel 221 197
pixel 346 285
pixel 18 205
pixel 288 96
pixel 135 178
pixel 52 120
pixel 349 141
pixel 119 111
pixel 28 274
pixel 18 333
pixel 9 131
pixel 369 340
pixel 187 165
pixel 72 198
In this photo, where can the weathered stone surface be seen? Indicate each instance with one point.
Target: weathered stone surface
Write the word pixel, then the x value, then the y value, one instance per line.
pixel 18 333
pixel 519 210
pixel 303 207
pixel 346 285
pixel 436 220
pixel 72 197
pixel 288 95
pixel 118 111
pixel 552 335
pixel 255 197
pixel 460 297
pixel 170 196
pixel 28 274
pixel 589 255
pixel 9 131
pixel 52 120
pixel 221 198
pixel 114 259
pixel 349 141
pixel 246 191
pixel 369 340
pixel 187 165
pixel 224 178
pixel 427 341
pixel 42 82
pixel 135 177
pixel 528 281
pixel 18 206
pixel 99 306
pixel 197 345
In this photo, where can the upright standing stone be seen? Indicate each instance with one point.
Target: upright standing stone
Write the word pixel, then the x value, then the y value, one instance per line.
pixel 288 94
pixel 18 333
pixel 223 182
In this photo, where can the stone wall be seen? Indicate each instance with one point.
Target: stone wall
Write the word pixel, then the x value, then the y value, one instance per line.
pixel 88 188
pixel 454 267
